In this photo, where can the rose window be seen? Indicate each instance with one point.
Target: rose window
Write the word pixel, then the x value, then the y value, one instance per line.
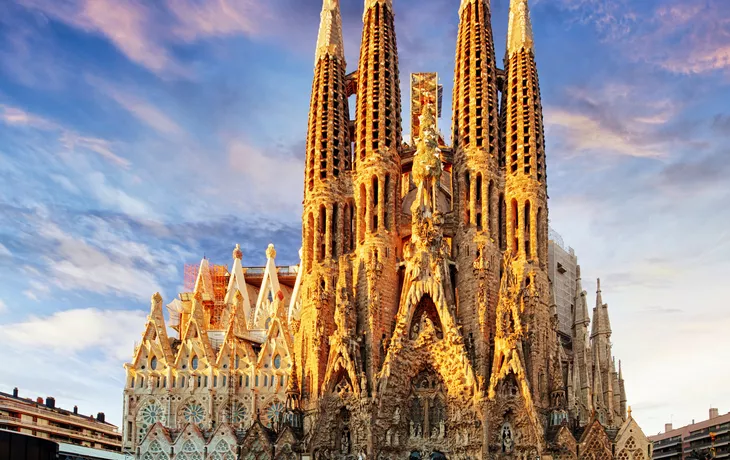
pixel 194 413
pixel 237 413
pixel 274 413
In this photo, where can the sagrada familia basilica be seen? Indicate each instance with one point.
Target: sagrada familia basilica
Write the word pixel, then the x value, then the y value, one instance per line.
pixel 420 322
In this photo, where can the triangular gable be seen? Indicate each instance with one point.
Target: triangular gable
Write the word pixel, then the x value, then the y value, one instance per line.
pixel 195 335
pixel 190 440
pixel 156 434
pixel 339 362
pixel 154 338
pixel 594 442
pixel 223 441
pixel 295 303
pixel 269 291
pixel 234 346
pixel 237 283
pixel 204 282
pixel 631 438
pixel 564 440
pixel 257 442
pixel 278 342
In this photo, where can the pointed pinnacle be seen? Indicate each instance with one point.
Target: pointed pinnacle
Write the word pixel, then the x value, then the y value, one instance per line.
pixel 519 33
pixel 329 40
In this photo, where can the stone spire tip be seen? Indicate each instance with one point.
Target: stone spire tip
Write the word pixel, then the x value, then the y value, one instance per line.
pixel 329 40
pixel 519 33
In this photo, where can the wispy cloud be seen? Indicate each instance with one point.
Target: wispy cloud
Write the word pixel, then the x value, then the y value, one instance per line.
pixel 4 251
pixel 77 264
pixel 103 147
pixel 15 116
pixel 139 107
pixel 73 331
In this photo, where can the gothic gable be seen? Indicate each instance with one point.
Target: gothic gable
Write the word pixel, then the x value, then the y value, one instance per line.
pixel 269 292
pixel 257 443
pixel 631 443
pixel 190 443
pixel 222 445
pixel 595 444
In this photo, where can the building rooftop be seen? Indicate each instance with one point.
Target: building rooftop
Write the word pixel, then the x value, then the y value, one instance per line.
pixel 715 419
pixel 49 404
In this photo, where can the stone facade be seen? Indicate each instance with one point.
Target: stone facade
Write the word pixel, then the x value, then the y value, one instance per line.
pixel 422 320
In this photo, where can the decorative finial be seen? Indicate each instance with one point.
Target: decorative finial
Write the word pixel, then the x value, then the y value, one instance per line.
pixel 270 252
pixel 519 34
pixel 237 253
pixel 598 285
pixel 629 411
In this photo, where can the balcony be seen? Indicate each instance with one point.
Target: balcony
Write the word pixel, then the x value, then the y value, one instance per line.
pixel 51 429
pixel 69 419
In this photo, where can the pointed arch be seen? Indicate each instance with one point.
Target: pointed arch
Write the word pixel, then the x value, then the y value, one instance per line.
pixel 424 313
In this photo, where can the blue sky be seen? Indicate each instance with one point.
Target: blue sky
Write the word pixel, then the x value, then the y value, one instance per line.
pixel 136 136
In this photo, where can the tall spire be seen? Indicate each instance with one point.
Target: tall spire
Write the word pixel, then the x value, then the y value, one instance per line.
pixel 478 183
pixel 378 146
pixel 519 34
pixel 329 41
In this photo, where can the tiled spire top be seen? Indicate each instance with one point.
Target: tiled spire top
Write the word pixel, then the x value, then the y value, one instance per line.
pixel 519 34
pixel 370 3
pixel 464 4
pixel 330 40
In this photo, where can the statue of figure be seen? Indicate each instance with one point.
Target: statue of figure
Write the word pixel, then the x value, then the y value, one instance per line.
pixel 413 429
pixel 434 431
pixel 442 429
pixel 345 442
pixel 363 384
pixel 191 382
pixel 507 441
pixel 388 438
pixel 396 416
pixel 427 165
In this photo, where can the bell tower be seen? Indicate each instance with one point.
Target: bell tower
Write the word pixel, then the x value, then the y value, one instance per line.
pixel 526 190
pixel 478 181
pixel 328 208
pixel 378 143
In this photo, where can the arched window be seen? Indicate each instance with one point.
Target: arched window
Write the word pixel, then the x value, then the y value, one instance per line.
pixel 277 361
pixel 333 230
pixel 490 213
pixel 153 363
pixel 541 242
pixel 502 224
pixel 514 222
pixel 467 198
pixel 386 198
pixel 194 362
pixel 478 199
pixel 309 248
pixel 322 230
pixel 528 231
pixel 362 212
pixel 375 203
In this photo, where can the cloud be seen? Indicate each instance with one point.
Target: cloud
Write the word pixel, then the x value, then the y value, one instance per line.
pixel 146 34
pixel 196 20
pixel 77 264
pixel 129 25
pixel 4 251
pixel 102 147
pixel 270 181
pixel 14 116
pixel 140 108
pixel 614 119
pixel 674 35
pixel 74 331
